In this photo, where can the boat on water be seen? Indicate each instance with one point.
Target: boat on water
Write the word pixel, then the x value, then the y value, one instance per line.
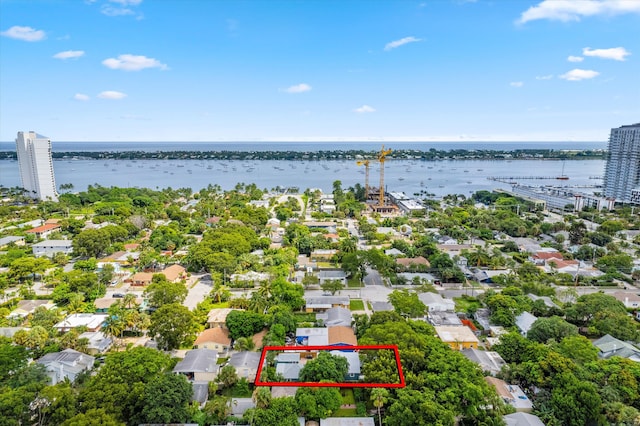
pixel 562 175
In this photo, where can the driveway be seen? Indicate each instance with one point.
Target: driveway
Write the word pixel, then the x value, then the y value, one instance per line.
pixel 197 292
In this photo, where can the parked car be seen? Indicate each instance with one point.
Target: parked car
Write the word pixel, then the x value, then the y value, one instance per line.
pixel 118 295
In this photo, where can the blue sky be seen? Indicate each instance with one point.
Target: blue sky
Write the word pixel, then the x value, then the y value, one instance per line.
pixel 445 70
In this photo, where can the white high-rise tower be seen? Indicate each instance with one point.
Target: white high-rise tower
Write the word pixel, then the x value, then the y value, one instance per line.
pixel 36 166
pixel 622 173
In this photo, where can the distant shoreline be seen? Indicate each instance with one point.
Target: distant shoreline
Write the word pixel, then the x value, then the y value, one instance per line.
pixel 350 154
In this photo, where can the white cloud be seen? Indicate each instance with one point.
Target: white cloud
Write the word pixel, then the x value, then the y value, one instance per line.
pixel 402 41
pixel 298 88
pixel 575 58
pixel 544 77
pixel 115 11
pixel 24 33
pixel 578 74
pixel 516 84
pixel 112 94
pixel 364 109
pixel 615 53
pixel 574 10
pixel 127 2
pixel 69 54
pixel 81 97
pixel 133 63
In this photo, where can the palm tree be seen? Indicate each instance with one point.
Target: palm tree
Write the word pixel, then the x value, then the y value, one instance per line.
pixel 114 326
pixel 261 397
pixel 220 292
pixel 379 398
pixel 265 289
pixel 129 301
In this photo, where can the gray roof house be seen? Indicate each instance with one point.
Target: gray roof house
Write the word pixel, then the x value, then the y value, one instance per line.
pixel 246 364
pixel 98 342
pixel 322 303
pixel 67 364
pixel 335 316
pixel 353 358
pixel 198 365
pixel 522 419
pixel 524 321
pixel 487 360
pixel 288 365
pixel 332 274
pixel 609 346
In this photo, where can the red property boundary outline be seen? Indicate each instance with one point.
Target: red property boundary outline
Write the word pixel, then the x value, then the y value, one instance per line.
pixel 394 348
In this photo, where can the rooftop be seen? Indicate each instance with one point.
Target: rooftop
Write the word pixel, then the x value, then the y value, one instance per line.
pixel 198 360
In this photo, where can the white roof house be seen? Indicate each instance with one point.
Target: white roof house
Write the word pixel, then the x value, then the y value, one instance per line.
pixel 93 322
pixel 435 302
pixel 51 247
pixel 312 336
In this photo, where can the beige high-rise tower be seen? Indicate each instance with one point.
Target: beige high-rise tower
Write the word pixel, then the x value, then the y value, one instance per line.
pixel 36 166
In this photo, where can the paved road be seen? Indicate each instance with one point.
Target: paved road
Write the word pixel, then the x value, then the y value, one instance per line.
pixel 373 277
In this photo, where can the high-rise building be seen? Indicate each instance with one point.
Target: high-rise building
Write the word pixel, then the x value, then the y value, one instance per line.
pixel 622 173
pixel 36 166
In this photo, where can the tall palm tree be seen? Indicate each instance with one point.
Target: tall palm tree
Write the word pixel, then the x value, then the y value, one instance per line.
pixel 379 398
pixel 129 301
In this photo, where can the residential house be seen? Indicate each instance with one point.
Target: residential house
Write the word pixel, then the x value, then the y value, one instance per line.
pixel 312 336
pixel 93 322
pixel 341 335
pixel 326 225
pixel 67 364
pixel 413 262
pixel 323 255
pixel 251 278
pixel 50 247
pixel 457 337
pixel 175 273
pixel 332 274
pixel 98 342
pixel 26 307
pixel 482 316
pixel 436 303
pixel 335 316
pixel 246 364
pixel 630 299
pixel 522 419
pixel 393 252
pixel 218 317
pixel 198 365
pixel 216 338
pixel 353 370
pixel 103 304
pixel 45 230
pixel 488 361
pixel 443 318
pixel 322 303
pixel 608 346
pixel 545 299
pixel 5 241
pixel 511 394
pixel 141 278
pixel 542 257
pixel 381 306
pixel 288 366
pixel 524 321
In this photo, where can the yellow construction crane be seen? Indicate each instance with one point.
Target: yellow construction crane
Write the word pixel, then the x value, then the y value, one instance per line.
pixel 381 158
pixel 365 163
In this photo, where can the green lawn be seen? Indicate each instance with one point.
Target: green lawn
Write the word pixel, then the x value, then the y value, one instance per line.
pixel 345 412
pixel 353 283
pixel 304 317
pixel 356 305
pixel 466 303
pixel 347 397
